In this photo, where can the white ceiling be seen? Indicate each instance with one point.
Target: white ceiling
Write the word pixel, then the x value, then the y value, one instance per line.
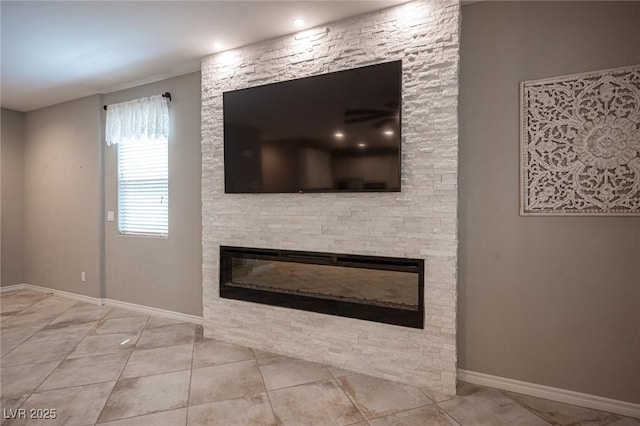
pixel 55 51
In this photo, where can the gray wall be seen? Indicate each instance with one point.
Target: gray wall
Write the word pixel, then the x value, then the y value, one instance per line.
pixel 548 300
pixel 162 272
pixel 62 195
pixel 12 203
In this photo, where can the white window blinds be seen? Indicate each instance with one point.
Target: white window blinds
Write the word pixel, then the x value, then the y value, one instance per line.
pixel 143 187
pixel 140 129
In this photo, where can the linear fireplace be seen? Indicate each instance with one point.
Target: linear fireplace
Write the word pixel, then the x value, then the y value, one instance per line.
pixel 382 289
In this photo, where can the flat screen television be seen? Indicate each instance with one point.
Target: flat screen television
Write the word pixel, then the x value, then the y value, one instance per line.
pixel 333 132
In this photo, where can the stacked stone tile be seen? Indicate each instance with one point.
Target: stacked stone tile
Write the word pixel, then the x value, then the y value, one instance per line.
pixel 419 222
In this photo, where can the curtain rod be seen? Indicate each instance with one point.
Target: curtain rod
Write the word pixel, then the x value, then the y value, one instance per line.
pixel 164 95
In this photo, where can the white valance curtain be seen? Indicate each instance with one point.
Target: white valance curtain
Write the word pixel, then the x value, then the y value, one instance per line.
pixel 140 119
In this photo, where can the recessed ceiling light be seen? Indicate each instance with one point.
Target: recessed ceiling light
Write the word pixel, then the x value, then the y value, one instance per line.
pixel 388 132
pixel 218 45
pixel 362 145
pixel 338 135
pixel 298 22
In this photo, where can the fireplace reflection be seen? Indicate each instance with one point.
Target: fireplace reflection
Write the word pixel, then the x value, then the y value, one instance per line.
pixel 366 286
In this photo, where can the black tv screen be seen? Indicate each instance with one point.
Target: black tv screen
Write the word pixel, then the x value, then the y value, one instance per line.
pixel 328 133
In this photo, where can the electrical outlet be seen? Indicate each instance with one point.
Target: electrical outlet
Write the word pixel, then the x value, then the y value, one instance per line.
pixel 83 276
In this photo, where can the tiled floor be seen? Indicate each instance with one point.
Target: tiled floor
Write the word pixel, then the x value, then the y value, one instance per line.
pixel 101 365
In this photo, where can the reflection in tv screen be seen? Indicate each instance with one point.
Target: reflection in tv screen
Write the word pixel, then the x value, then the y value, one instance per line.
pixel 333 132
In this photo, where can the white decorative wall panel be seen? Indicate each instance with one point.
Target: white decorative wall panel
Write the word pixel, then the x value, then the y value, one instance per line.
pixel 580 144
pixel 419 222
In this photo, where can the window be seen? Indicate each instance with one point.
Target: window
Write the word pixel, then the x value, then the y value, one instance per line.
pixel 140 128
pixel 143 187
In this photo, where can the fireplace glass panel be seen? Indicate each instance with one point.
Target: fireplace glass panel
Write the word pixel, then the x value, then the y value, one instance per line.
pixel 393 289
pixel 373 288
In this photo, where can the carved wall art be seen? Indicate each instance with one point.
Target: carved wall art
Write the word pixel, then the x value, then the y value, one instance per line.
pixel 580 144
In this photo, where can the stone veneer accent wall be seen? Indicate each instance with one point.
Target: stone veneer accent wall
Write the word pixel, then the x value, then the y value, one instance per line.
pixel 418 222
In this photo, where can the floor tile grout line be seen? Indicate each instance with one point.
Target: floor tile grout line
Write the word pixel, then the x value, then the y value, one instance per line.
pixel 444 400
pixel 60 362
pixel 16 347
pixel 121 371
pixel 359 422
pixel 420 388
pixel 161 347
pixel 154 374
pixel 266 391
pixel 194 326
pixel 134 314
pixel 178 322
pixel 301 384
pixel 138 415
pixel 300 361
pixel 431 404
pixel 88 305
pixel 337 377
pixel 39 384
pixel 13 316
pixel 382 416
pixel 529 409
pixel 534 411
pixel 193 355
pixel 30 363
pixel 85 336
pixel 114 384
pixel 71 387
pixel 350 399
pixel 139 334
pixel 43 342
pixel 223 363
pixel 48 295
pixel 451 416
pixel 233 398
pixel 447 413
pixel 39 329
pixel 104 319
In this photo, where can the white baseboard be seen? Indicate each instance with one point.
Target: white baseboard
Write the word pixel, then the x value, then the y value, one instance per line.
pixel 40 289
pixel 149 310
pixel 68 295
pixel 554 394
pixel 108 302
pixel 14 287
